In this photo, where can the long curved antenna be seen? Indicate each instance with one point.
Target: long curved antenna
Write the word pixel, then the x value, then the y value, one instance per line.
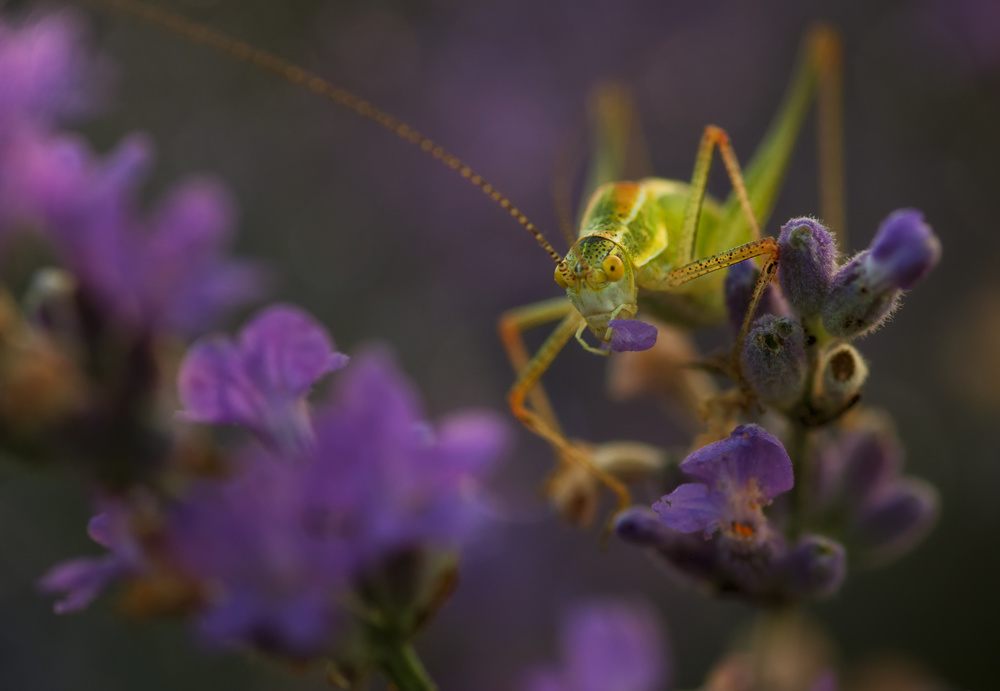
pixel 198 33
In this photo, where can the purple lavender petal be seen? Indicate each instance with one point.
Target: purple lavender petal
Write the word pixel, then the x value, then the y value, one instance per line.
pixel 631 335
pixel 214 388
pixel 81 580
pixel 750 456
pixel 285 351
pixel 262 380
pixel 688 509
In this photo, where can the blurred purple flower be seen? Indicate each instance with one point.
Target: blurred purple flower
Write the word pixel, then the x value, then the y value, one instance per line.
pixel 83 579
pixel 607 646
pixel 860 488
pixel 261 379
pixel 163 272
pixel 283 541
pixel 45 71
pixel 736 477
pixel 278 547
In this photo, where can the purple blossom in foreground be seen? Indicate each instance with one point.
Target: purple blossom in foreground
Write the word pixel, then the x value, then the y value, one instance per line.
pixel 736 478
pixel 631 335
pixel 279 547
pixel 261 379
pixel 737 551
pixel 607 646
pixel 283 541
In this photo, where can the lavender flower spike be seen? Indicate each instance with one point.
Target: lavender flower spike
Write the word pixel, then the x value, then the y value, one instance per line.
pixel 260 381
pixel 736 478
pixel 607 646
pixel 866 290
pixel 282 544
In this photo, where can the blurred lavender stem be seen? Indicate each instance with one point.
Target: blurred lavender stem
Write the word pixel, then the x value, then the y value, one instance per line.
pixel 399 663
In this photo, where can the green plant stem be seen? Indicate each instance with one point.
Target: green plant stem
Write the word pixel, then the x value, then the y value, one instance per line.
pixel 401 666
pixel 798 452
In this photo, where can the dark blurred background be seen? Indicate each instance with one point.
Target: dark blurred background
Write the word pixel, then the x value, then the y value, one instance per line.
pixel 382 243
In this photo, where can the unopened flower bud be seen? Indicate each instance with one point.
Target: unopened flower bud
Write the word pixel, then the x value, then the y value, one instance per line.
pixel 773 360
pixel 816 567
pixel 840 374
pixel 808 255
pixel 741 279
pixel 898 520
pixel 866 290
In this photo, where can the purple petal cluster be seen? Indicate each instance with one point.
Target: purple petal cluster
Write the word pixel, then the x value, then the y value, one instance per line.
pixel 161 271
pixel 278 547
pixel 158 271
pixel 714 531
pixel 260 380
pixel 736 478
pixel 607 646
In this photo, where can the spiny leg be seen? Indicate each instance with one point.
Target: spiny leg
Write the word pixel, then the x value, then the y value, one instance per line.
pixel 512 324
pixel 767 247
pixel 712 137
pixel 818 76
pixel 540 418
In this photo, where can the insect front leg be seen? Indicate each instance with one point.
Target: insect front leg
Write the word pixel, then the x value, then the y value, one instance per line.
pixel 569 485
pixel 763 247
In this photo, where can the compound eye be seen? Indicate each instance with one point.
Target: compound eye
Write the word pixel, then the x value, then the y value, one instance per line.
pixel 613 267
pixel 561 277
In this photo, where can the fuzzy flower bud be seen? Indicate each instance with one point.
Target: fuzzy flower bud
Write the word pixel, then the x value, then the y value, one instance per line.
pixel 866 290
pixel 773 360
pixel 808 254
pixel 740 282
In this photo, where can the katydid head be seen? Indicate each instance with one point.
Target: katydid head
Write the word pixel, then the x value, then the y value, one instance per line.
pixel 599 279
